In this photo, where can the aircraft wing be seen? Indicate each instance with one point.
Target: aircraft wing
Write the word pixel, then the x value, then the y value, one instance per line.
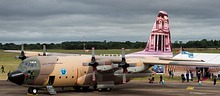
pixel 27 53
pixel 164 61
pixel 31 53
pixel 157 61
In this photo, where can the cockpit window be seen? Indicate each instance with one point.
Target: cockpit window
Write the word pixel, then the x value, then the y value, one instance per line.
pixel 31 63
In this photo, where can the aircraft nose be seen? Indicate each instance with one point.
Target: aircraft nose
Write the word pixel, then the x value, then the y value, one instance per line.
pixel 16 77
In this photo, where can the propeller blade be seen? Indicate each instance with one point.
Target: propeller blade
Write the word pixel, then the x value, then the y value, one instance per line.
pixel 22 50
pixel 94 75
pixel 123 54
pixel 22 47
pixel 124 78
pixel 93 54
pixel 124 74
pixel 44 50
pixel 94 64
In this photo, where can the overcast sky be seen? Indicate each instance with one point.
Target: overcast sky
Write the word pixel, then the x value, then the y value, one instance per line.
pixel 55 21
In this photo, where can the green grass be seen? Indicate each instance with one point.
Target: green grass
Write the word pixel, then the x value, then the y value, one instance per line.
pixel 9 62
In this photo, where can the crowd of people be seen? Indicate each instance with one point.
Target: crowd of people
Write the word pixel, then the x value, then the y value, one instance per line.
pixel 188 76
pixel 151 80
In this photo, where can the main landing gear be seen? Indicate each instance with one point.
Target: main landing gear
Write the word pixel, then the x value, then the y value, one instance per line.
pixel 81 88
pixel 86 88
pixel 32 90
pixel 104 89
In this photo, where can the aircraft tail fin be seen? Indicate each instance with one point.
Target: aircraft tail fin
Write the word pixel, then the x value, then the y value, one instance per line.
pixel 159 43
pixel 159 39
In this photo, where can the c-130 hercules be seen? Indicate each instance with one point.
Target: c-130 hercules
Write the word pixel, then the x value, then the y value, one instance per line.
pixel 100 72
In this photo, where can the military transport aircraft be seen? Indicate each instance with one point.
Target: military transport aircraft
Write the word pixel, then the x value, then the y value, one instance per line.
pixel 100 72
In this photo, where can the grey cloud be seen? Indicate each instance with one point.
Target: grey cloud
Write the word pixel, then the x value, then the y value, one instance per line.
pixel 111 20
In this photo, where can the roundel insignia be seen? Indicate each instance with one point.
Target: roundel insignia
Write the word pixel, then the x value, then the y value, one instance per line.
pixel 63 71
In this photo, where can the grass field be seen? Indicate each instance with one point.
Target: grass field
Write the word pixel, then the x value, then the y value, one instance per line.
pixel 10 63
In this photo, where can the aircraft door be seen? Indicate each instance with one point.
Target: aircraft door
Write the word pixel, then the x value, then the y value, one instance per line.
pixel 51 80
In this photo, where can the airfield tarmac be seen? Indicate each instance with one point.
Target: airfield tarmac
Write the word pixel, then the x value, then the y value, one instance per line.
pixel 133 88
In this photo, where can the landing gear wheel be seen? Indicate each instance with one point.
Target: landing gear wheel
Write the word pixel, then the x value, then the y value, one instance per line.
pixel 104 89
pixel 35 91
pixel 95 87
pixel 108 89
pixel 32 90
pixel 77 88
pixel 85 88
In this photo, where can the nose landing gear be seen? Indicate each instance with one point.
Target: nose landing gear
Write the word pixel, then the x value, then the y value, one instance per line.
pixel 32 90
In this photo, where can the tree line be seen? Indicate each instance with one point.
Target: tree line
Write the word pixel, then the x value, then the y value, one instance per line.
pixel 71 45
pixel 204 43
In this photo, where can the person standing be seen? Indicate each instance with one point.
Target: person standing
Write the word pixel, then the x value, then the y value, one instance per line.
pixel 187 76
pixel 151 80
pixel 183 78
pixel 172 73
pixel 191 74
pixel 161 79
pixel 169 72
pixel 3 69
pixel 198 75
pixel 214 79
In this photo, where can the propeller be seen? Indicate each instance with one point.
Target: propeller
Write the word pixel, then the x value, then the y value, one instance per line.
pixel 124 65
pixel 22 56
pixel 94 65
pixel 44 50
